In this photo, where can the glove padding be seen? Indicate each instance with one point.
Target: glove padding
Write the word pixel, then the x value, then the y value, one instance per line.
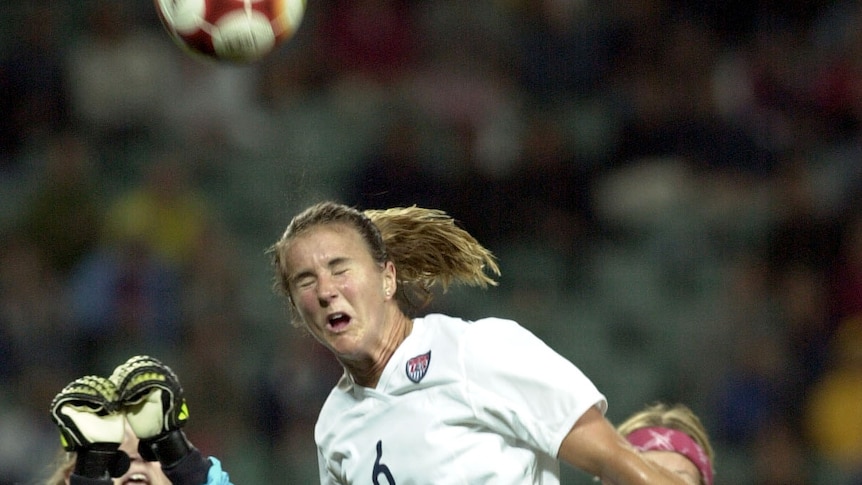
pixel 86 411
pixel 151 395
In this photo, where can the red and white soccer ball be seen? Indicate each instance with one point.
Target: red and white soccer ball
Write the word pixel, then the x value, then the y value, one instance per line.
pixel 239 31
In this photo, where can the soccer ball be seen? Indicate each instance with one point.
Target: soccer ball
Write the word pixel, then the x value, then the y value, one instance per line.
pixel 240 31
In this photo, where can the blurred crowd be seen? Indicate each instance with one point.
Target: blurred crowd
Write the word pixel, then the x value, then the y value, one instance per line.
pixel 672 187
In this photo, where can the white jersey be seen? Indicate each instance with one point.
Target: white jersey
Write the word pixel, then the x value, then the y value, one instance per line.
pixel 458 403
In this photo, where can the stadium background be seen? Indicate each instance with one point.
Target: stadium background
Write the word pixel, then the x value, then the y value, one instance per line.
pixel 672 188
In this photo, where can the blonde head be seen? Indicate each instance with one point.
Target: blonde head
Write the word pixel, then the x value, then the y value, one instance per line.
pixel 62 468
pixel 678 417
pixel 426 246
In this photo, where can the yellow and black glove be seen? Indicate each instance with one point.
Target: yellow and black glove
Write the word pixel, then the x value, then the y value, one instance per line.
pixel 92 425
pixel 152 398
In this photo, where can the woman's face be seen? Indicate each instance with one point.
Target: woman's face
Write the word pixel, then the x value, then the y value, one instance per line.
pixel 339 290
pixel 673 462
pixel 141 472
pixel 676 463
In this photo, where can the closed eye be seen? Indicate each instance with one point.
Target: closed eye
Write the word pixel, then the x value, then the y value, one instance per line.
pixel 339 267
pixel 303 281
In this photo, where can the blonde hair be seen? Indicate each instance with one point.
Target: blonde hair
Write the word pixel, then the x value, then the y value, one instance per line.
pixel 426 246
pixel 679 417
pixel 62 468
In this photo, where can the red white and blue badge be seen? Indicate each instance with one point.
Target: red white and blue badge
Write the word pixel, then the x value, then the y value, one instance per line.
pixel 417 367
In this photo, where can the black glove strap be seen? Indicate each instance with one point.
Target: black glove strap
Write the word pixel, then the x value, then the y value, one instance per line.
pixel 168 449
pixel 194 468
pixel 101 461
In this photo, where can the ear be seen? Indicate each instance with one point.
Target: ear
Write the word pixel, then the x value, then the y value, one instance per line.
pixel 390 283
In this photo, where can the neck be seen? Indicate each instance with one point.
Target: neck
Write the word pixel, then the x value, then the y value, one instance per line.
pixel 367 372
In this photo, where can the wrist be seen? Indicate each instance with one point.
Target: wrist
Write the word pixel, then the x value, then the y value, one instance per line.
pixel 194 468
pixel 168 449
pixel 101 461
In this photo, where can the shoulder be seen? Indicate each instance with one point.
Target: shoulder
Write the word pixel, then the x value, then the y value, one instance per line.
pixel 489 341
pixel 488 332
pixel 485 332
pixel 487 323
pixel 339 398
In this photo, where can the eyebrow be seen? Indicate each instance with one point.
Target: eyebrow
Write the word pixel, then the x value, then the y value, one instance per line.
pixel 332 263
pixel 337 261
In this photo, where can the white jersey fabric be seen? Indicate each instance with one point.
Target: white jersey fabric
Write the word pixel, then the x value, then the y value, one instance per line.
pixel 459 402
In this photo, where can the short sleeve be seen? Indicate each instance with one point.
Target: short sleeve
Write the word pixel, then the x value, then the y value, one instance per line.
pixel 521 387
pixel 216 475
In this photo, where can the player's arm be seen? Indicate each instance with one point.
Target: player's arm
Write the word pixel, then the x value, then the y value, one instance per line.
pixel 594 446
pixel 156 409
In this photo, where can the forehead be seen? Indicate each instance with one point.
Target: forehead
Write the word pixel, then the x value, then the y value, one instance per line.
pixel 325 241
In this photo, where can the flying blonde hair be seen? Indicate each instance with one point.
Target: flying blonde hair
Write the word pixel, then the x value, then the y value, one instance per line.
pixel 63 464
pixel 426 246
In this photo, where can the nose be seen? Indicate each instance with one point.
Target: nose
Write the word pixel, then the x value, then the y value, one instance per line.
pixel 134 455
pixel 326 291
pixel 130 446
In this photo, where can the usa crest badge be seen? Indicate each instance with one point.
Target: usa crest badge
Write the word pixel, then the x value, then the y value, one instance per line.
pixel 417 367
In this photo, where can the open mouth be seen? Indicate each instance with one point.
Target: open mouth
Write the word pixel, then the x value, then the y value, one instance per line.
pixel 337 321
pixel 137 478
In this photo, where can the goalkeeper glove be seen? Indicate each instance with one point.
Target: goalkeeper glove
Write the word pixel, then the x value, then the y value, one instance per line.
pixel 152 397
pixel 90 425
